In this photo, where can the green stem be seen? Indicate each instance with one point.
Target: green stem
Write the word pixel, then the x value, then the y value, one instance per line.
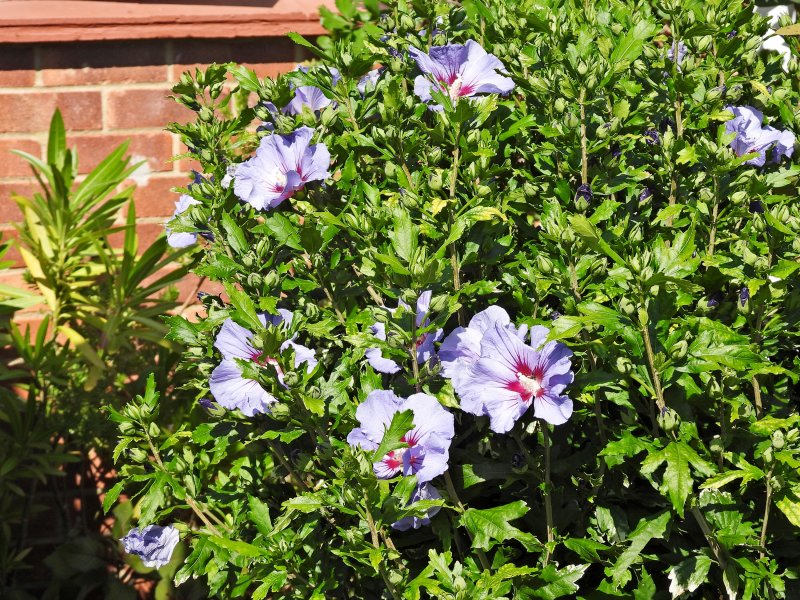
pixel 377 545
pixel 762 553
pixel 651 361
pixel 189 500
pixel 453 249
pixel 712 236
pixel 584 150
pixel 451 490
pixel 548 505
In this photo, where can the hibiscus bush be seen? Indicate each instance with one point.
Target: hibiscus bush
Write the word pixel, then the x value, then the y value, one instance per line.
pixel 510 310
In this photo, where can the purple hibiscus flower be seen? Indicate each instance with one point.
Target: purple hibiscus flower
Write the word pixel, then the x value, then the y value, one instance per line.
pixel 462 347
pixel 509 376
pixel 369 81
pixel 228 385
pixel 460 71
pixel 182 239
pixel 309 96
pixel 752 137
pixel 424 342
pixel 282 165
pixel 153 544
pixel 428 442
pixel 425 491
pixel 682 52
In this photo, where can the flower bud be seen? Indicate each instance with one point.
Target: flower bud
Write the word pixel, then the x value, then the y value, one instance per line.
pixel 329 115
pixel 407 22
pixel 582 68
pixel 435 183
pixel 560 105
pixel 572 121
pixel 291 379
pixel 255 280
pixel 544 264
pixel 434 155
pixel 539 85
pixel 530 189
pixel 778 440
pixel 668 419
pixel 484 190
pixel 679 350
pixel 137 455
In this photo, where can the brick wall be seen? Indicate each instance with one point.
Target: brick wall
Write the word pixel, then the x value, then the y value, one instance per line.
pixel 110 91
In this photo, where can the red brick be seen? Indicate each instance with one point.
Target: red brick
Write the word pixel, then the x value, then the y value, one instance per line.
pixel 31 111
pixel 17 66
pixel 242 50
pixel 86 63
pixel 147 232
pixel 156 147
pixel 13 256
pixel 133 108
pixel 9 211
pixel 12 165
pixel 154 199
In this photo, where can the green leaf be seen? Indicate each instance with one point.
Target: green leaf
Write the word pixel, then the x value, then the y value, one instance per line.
pixel 283 230
pixel 245 309
pixel 587 549
pixel 586 230
pixel 403 236
pixel 235 236
pixel 112 495
pixel 305 504
pixel 259 515
pixel 402 423
pixel 558 583
pixel 56 141
pixel 493 524
pixel 689 574
pixel 790 506
pixel 242 548
pixel 677 480
pixel 646 530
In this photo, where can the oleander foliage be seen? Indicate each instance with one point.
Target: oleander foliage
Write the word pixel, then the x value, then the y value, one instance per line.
pixel 100 296
pixel 600 198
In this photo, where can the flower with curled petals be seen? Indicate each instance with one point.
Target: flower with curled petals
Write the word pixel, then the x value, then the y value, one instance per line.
pixel 153 544
pixel 510 376
pixel 459 71
pixel 428 441
pixel 424 491
pixel 282 165
pixel 229 386
pixel 425 349
pixel 462 347
pixel 752 137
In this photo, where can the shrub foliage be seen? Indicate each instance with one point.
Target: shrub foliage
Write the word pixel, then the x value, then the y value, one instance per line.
pixel 604 198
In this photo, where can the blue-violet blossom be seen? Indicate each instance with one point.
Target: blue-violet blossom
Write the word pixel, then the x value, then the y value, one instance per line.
pixel 282 165
pixel 182 239
pixel 425 491
pixel 428 442
pixel 228 385
pixel 462 347
pixel 752 137
pixel 424 343
pixel 509 376
pixel 459 71
pixel 153 544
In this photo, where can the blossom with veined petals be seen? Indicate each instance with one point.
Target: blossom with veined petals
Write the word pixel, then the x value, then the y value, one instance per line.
pixel 425 349
pixel 752 137
pixel 460 71
pixel 424 491
pixel 462 347
pixel 282 165
pixel 227 384
pixel 428 442
pixel 510 376
pixel 182 239
pixel 153 544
